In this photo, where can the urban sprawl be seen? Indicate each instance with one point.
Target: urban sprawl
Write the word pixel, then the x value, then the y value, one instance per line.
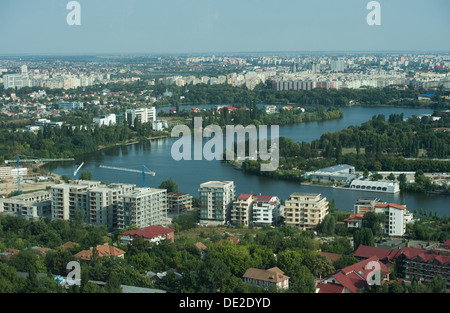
pixel 260 241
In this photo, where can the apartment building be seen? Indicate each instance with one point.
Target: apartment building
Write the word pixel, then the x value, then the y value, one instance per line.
pixel 116 206
pixel 242 209
pixel 178 202
pixel 305 210
pixel 104 202
pixel 397 216
pixel 30 205
pixel 142 207
pixel 144 115
pixel 67 198
pixel 267 210
pixel 216 201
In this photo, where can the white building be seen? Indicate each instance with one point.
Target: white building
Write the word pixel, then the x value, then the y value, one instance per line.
pixel 397 216
pixel 375 186
pixel 216 201
pixel 144 115
pixel 266 210
pixel 108 120
pixel 159 125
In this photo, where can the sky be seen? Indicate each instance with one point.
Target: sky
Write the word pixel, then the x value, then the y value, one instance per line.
pixel 39 27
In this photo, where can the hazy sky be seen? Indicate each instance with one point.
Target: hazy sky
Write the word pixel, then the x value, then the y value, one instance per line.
pixel 191 26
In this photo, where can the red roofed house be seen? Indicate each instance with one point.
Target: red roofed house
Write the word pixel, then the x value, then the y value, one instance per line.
pixel 152 233
pixel 420 263
pixel 446 244
pixel 355 278
pixel 104 250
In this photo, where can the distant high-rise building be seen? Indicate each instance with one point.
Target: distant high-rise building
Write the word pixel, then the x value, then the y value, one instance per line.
pixel 315 67
pixel 337 64
pixel 294 67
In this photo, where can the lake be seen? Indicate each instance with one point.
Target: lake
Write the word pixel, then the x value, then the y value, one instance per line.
pixel 156 155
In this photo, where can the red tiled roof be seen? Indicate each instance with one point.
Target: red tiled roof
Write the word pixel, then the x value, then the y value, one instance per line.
pixel 447 243
pixel 330 288
pixel 263 198
pixel 361 267
pixel 350 281
pixel 368 252
pixel 385 205
pixel 103 250
pixel 149 232
pixel 244 196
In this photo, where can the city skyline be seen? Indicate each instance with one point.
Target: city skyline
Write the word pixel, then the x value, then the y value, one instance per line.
pixel 200 26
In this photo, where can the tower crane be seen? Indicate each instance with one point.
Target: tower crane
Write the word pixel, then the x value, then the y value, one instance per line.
pixel 144 171
pixel 75 173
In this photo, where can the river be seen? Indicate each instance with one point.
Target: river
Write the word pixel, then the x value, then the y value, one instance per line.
pixel 156 155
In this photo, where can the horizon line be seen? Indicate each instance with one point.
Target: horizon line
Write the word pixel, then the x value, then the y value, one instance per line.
pixel 37 54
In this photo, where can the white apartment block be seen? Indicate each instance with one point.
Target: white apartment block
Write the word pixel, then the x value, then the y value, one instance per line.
pixel 142 207
pixel 216 201
pixel 267 210
pixel 397 216
pixel 144 115
pixel 305 210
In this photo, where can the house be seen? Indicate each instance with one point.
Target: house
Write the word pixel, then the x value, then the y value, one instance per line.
pixel 233 240
pixel 266 278
pixel 354 278
pixel 201 248
pixel 9 252
pixel 354 220
pixel 104 250
pixel 153 233
pixel 69 245
pixel 418 263
pixel 446 244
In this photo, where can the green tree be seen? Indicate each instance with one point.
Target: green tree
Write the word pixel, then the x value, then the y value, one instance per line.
pixel 86 175
pixel 170 185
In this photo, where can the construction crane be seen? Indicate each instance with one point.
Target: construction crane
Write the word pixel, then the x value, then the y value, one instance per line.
pixel 75 173
pixel 144 171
